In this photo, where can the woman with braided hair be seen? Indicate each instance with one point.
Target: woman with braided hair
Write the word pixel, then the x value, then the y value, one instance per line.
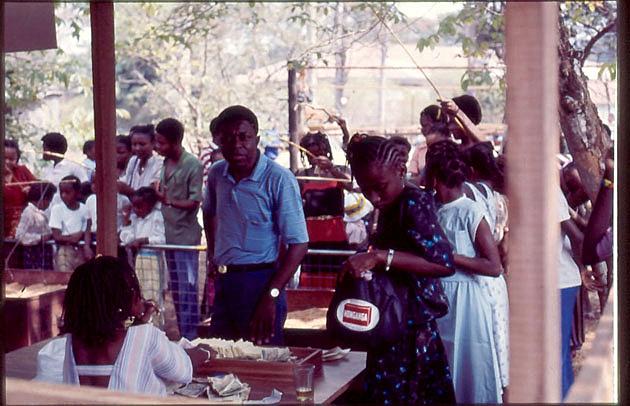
pixel 323 198
pixel 467 330
pixel 106 340
pixel 410 244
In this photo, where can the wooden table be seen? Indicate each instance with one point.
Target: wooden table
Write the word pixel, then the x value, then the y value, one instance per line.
pixel 336 376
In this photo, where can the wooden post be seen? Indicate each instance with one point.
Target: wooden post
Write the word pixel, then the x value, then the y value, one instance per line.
pixel 104 84
pixel 293 117
pixel 3 112
pixel 621 227
pixel 532 116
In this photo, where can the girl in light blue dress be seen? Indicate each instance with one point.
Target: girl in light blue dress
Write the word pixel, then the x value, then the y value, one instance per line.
pixel 467 329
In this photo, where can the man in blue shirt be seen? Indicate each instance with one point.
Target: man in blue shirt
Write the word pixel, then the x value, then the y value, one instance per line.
pixel 255 230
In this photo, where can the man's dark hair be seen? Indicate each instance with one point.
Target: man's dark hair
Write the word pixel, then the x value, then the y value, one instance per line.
pixel 124 140
pixel 171 129
pixel 9 143
pixel 88 145
pixel 470 106
pixel 236 112
pixel 148 129
pixel 99 299
pixel 55 142
pixel 72 181
pixel 41 191
pixel 148 194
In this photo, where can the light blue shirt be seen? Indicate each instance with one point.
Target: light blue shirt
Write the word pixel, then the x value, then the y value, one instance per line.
pixel 255 214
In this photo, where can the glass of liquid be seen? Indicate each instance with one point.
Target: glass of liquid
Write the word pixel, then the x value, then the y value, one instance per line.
pixel 303 378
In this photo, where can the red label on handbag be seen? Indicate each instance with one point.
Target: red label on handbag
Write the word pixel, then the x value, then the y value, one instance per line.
pixel 356 314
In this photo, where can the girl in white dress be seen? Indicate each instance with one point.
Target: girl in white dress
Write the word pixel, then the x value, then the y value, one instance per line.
pixel 485 182
pixel 467 329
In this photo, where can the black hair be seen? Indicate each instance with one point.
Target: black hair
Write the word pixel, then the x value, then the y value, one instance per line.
pixel 124 140
pixel 480 157
pixel 147 194
pixel 98 300
pixel 316 138
pixel 148 129
pixel 86 190
pixel 470 106
pixel 40 191
pixel 367 150
pixel 171 129
pixel 9 143
pixel 236 112
pixel 444 163
pixel 440 128
pixel 73 181
pixel 55 142
pixel 88 145
pixel 432 111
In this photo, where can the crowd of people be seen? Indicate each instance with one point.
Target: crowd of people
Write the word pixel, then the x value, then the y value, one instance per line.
pixel 440 221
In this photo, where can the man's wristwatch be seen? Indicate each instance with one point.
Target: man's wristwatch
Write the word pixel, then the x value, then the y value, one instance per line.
pixel 274 293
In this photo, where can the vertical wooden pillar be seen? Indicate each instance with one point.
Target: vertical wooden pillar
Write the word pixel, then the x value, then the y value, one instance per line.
pixel 104 83
pixel 622 227
pixel 2 119
pixel 293 116
pixel 532 116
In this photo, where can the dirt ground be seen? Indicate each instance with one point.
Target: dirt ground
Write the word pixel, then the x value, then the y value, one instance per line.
pixel 590 325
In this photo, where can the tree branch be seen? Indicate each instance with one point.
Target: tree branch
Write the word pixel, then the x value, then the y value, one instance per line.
pixel 587 49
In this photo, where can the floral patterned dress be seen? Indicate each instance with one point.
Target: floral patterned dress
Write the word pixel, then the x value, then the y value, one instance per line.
pixel 415 369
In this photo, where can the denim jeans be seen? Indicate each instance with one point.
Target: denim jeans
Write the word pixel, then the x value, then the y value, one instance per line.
pixel 567 303
pixel 183 269
pixel 236 297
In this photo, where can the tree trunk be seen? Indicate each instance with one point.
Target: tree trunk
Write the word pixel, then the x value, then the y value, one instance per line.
pixel 341 73
pixel 582 128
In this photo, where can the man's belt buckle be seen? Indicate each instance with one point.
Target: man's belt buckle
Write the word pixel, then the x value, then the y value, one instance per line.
pixel 222 268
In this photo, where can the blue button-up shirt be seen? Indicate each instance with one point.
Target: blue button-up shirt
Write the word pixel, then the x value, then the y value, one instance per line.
pixel 255 214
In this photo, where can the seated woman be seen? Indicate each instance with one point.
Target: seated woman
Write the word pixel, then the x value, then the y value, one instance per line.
pixel 107 342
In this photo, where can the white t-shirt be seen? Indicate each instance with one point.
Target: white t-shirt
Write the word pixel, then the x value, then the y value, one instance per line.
pixel 151 227
pixel 121 202
pixel 69 221
pixel 569 273
pixel 150 174
pixel 32 226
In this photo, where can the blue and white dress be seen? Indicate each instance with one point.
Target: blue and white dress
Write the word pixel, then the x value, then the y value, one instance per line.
pixel 467 329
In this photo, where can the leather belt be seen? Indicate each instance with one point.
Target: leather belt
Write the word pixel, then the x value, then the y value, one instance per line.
pixel 249 267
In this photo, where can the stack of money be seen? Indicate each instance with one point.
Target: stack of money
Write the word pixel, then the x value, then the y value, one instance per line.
pixel 228 386
pixel 244 350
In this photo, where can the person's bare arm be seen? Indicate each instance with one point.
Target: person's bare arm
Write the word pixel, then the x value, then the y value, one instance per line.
pixel 401 261
pixel 601 217
pixel 576 237
pixel 488 263
pixel 263 320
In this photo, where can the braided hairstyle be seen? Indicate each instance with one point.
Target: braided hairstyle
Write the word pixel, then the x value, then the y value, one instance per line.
pixel 99 298
pixel 444 163
pixel 365 151
pixel 318 138
pixel 480 158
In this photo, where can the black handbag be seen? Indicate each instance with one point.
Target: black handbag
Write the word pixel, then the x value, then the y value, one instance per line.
pixel 369 313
